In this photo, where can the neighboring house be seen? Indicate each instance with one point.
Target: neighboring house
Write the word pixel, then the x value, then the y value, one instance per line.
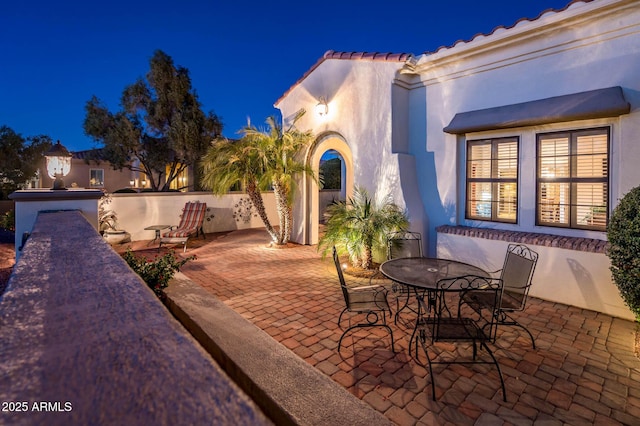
pixel 90 170
pixel 529 133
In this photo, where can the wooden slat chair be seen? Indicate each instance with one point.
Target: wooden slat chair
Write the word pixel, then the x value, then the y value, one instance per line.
pixel 191 222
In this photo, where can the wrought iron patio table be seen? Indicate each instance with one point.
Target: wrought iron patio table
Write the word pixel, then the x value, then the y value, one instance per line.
pixel 422 274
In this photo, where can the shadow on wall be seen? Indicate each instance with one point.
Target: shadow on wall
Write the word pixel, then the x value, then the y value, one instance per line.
pixel 586 284
pixel 435 211
pixel 324 85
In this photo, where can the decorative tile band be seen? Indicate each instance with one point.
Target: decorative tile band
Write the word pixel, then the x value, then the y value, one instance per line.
pixel 570 243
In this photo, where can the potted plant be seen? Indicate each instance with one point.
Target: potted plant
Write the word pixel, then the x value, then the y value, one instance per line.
pixel 108 223
pixel 360 227
pixel 623 233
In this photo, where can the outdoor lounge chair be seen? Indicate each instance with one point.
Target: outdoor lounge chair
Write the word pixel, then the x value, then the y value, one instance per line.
pixel 516 273
pixel 439 325
pixel 191 222
pixel 368 300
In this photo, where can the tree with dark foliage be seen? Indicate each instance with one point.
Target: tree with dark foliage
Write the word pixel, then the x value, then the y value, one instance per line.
pixel 161 129
pixel 19 159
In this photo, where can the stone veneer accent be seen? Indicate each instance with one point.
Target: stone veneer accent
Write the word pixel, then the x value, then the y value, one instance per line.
pixel 548 240
pixel 84 341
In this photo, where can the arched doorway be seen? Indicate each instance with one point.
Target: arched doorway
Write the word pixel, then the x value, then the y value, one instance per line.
pixel 327 142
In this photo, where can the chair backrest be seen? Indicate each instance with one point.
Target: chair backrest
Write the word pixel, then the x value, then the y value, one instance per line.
pixel 343 284
pixel 517 271
pixel 485 290
pixel 193 215
pixel 404 244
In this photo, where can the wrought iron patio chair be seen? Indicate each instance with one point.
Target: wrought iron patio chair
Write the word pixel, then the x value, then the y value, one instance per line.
pixel 403 244
pixel 368 300
pixel 191 223
pixel 516 274
pixel 469 326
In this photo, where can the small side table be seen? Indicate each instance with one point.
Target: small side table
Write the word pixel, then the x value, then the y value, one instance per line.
pixel 156 228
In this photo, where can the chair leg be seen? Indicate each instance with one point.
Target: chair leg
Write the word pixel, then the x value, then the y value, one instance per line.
pixel 511 322
pixel 421 341
pixel 398 308
pixel 340 317
pixel 495 361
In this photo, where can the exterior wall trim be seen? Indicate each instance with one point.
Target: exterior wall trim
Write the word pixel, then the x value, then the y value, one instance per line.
pixel 591 245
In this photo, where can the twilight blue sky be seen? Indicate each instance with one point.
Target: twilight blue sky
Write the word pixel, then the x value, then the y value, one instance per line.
pixel 242 55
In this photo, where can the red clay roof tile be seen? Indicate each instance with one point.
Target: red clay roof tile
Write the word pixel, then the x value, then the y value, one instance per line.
pixel 352 56
pixel 401 57
pixel 507 28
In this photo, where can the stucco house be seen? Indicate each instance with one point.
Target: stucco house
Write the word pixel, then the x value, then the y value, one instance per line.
pixel 89 169
pixel 529 133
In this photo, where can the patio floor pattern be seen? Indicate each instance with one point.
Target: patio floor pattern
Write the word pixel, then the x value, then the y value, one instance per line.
pixel 583 370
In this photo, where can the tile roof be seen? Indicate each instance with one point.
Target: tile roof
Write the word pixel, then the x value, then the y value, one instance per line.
pixel 95 154
pixel 402 57
pixel 353 56
pixel 502 27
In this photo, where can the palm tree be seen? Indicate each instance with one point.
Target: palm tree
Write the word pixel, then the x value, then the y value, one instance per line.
pixel 227 163
pixel 259 159
pixel 359 226
pixel 279 151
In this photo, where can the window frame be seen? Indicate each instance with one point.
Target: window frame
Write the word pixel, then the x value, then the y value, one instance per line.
pixel 92 185
pixel 493 180
pixel 572 180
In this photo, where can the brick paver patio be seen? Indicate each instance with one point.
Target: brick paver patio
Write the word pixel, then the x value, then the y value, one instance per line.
pixel 582 372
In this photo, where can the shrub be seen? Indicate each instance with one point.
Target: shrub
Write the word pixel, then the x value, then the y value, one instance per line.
pixel 361 226
pixel 8 220
pixel 623 233
pixel 158 272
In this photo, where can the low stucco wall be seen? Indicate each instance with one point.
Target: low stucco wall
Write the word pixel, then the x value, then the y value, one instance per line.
pixel 225 213
pixel 29 203
pixel 572 271
pixel 83 335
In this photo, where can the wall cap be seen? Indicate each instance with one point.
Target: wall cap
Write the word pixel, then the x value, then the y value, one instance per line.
pixel 534 238
pixel 50 194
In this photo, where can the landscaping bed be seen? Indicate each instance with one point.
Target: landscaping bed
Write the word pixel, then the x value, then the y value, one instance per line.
pixel 7 257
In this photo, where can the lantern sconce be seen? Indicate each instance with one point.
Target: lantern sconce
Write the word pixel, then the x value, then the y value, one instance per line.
pixel 58 163
pixel 322 109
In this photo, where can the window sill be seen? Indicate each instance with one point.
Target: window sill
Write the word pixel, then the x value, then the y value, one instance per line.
pixel 548 240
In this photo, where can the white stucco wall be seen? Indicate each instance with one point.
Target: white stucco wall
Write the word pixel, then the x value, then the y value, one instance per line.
pixel 29 203
pixel 359 96
pixel 137 211
pixel 589 46
pixel 570 277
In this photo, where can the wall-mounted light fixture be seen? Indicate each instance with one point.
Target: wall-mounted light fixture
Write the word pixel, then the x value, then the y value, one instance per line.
pixel 322 108
pixel 58 163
